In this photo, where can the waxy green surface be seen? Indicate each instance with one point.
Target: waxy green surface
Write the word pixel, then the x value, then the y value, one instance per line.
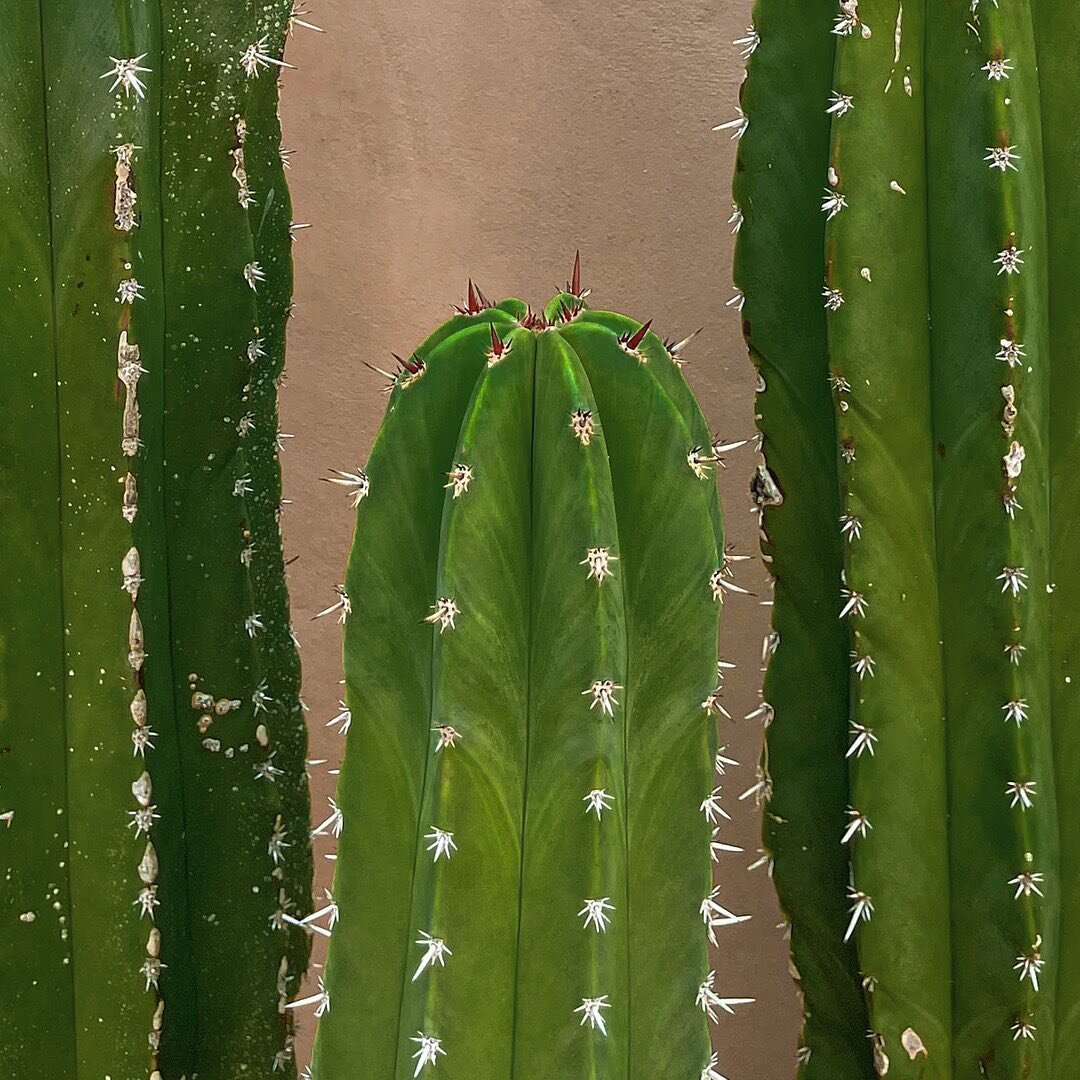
pixel 532 632
pixel 76 1003
pixel 955 148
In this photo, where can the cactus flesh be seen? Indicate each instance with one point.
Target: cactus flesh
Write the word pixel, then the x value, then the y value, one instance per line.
pixel 153 804
pixel 906 262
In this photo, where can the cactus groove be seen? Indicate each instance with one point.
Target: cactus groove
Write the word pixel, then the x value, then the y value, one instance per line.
pixel 524 878
pixel 906 266
pixel 146 274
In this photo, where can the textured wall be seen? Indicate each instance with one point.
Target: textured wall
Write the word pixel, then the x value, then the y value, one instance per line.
pixel 438 140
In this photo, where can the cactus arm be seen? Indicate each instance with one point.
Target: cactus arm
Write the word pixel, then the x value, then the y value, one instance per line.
pixel 392 574
pixel 475 789
pixel 242 767
pixel 976 211
pixel 1057 34
pixel 782 159
pixel 570 855
pixel 33 781
pixel 876 257
pixel 671 626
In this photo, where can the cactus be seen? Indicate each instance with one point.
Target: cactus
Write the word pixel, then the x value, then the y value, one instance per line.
pixel 153 803
pixel 906 260
pixel 527 800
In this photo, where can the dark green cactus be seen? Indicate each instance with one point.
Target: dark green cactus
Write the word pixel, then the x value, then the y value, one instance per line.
pixel 528 796
pixel 907 264
pixel 146 276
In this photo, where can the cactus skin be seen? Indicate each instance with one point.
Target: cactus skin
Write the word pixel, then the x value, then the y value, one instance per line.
pixel 76 997
pixel 531 632
pixel 943 355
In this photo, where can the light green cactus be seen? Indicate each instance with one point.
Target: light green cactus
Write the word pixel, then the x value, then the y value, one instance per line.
pixel 907 269
pixel 145 896
pixel 528 798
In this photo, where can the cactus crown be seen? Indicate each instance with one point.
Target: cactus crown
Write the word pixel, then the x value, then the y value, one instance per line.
pixel 528 796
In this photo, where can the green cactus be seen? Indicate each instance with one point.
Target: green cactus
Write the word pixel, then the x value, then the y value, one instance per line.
pixel 146 897
pixel 906 202
pixel 528 795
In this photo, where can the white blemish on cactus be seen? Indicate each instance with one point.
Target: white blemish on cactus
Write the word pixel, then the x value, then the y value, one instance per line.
pixel 597 801
pixel 1011 352
pixel 598 560
pixel 124 197
pixel 277 844
pixel 447 737
pixel 253 625
pixel 136 641
pixel 130 570
pixel 142 820
pixel 255 350
pixel 146 901
pixel 242 487
pixel 141 739
pixel 444 611
pixel 592 1014
pixel 582 425
pixel 129 505
pixel 151 970
pixel 1013 462
pixel 260 699
pixel 894 185
pixel 602 692
pixel 834 298
pixel 267 770
pixel 125 73
pixel 442 844
pixel 435 952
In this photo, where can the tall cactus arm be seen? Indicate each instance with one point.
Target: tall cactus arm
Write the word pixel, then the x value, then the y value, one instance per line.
pixel 991 387
pixel 877 291
pixel 1057 38
pixel 585 949
pixel 782 160
pixel 388 647
pixel 164 907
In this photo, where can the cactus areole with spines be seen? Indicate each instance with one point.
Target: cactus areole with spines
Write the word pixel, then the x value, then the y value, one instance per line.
pixel 907 269
pixel 153 802
pixel 524 880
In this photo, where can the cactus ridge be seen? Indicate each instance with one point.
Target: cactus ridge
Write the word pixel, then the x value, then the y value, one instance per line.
pixel 527 795
pixel 154 797
pixel 898 167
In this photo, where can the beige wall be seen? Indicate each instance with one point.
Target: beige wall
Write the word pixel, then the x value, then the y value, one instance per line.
pixel 441 139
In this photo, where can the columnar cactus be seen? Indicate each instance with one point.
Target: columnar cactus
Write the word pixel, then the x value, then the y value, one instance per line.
pixel 528 798
pixel 153 803
pixel 907 210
